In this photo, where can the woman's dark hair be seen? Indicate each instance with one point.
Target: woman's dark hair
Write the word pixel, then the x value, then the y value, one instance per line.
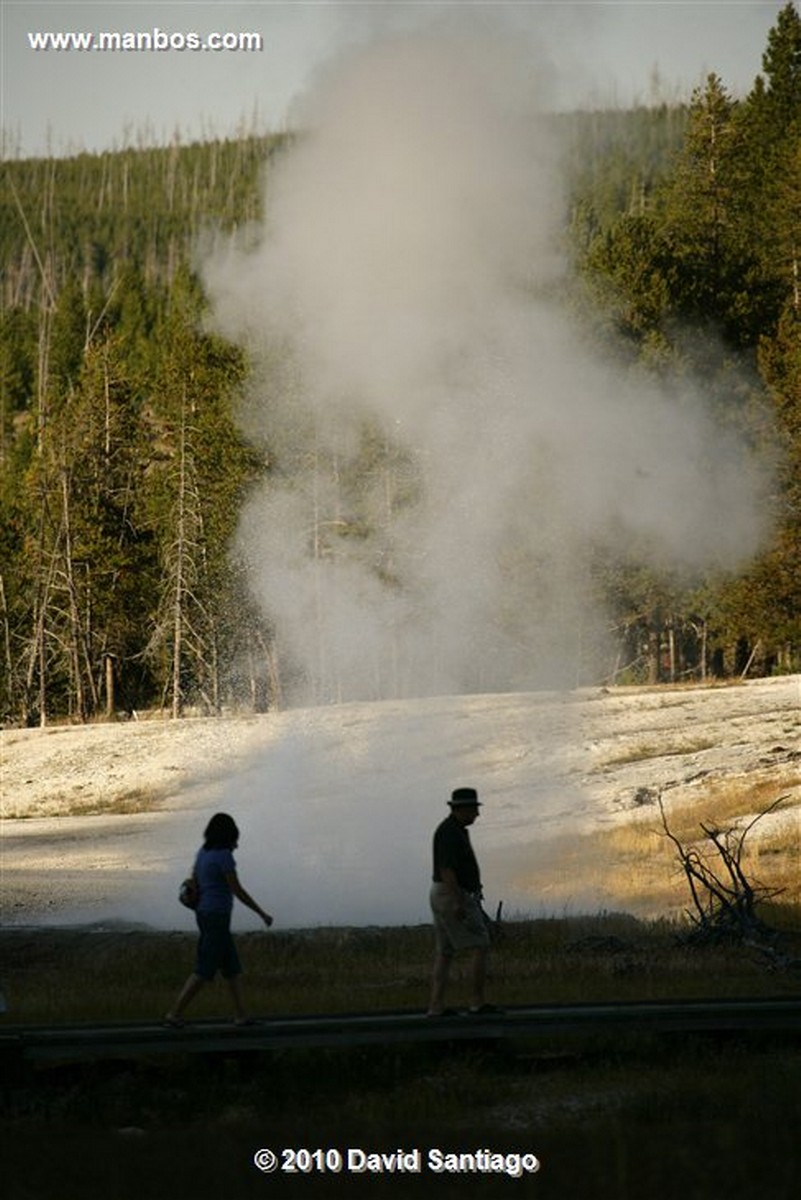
pixel 221 833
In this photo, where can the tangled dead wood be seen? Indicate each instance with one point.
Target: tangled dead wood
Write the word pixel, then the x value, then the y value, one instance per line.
pixel 724 899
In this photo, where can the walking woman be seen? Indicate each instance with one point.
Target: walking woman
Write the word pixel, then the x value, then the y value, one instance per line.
pixel 218 884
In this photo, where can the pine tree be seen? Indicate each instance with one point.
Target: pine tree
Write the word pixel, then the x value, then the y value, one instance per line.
pixel 771 123
pixel 704 225
pixel 781 64
pixel 193 500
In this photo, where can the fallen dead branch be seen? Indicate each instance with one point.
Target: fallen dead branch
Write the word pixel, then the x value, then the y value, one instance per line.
pixel 725 900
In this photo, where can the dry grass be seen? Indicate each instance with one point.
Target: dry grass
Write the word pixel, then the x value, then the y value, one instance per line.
pixel 638 860
pixel 632 866
pixel 647 750
pixel 725 802
pixel 55 976
pixel 72 804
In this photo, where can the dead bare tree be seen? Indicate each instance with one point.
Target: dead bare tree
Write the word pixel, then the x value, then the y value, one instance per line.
pixel 724 899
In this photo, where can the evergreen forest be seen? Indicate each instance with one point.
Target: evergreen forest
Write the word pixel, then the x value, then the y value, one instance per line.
pixel 123 469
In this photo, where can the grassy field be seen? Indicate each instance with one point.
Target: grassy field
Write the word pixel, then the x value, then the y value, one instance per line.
pixel 639 1116
pixel 634 866
pixel 55 976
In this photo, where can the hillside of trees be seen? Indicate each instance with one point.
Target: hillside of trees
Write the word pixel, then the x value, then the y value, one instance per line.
pixel 123 471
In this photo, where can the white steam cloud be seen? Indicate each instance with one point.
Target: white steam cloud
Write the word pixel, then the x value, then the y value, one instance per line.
pixel 406 282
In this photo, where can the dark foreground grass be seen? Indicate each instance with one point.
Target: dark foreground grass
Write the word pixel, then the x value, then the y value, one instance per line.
pixel 67 975
pixel 657 1117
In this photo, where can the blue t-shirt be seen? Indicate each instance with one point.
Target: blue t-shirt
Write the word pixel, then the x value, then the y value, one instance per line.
pixel 211 867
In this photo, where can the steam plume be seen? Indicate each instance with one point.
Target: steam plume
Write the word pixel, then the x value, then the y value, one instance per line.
pixel 405 283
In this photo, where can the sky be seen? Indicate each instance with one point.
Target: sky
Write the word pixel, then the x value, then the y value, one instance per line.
pixel 594 53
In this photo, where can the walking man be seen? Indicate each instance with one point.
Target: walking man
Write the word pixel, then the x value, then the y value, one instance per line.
pixel 459 922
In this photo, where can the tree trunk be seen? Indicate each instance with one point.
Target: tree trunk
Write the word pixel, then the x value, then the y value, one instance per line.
pixel 180 550
pixel 654 648
pixel 110 697
pixel 7 645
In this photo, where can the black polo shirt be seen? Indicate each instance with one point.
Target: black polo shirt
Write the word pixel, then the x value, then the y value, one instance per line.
pixel 452 849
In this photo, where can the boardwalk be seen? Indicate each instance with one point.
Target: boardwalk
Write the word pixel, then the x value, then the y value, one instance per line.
pixel 42 1044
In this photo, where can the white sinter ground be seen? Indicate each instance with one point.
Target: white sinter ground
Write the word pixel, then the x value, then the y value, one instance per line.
pixel 336 806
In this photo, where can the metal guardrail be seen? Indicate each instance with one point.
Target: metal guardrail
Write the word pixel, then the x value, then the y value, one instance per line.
pixel 77 1043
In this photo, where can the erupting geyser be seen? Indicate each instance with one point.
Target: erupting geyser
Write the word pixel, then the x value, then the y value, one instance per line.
pixel 443 451
pixel 444 448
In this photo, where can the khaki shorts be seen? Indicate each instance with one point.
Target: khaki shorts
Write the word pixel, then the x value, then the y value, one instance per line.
pixel 454 933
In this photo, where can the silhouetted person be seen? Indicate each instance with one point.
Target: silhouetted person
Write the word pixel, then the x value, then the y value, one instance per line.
pixel 218 884
pixel 459 922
